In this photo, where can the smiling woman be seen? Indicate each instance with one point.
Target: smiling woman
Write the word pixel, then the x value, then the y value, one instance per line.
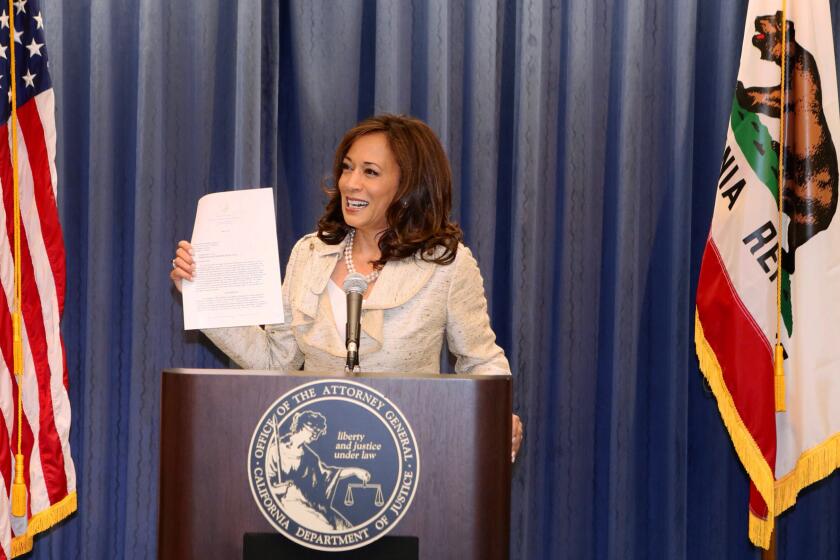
pixel 403 170
pixel 388 218
pixel 368 183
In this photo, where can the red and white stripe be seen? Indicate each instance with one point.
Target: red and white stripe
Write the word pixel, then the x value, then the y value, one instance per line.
pixel 50 473
pixel 744 355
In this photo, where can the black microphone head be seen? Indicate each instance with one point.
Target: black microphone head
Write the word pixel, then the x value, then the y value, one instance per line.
pixel 355 283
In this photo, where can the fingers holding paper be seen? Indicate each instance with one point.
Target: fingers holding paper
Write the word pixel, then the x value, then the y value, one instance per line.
pixel 517 433
pixel 183 265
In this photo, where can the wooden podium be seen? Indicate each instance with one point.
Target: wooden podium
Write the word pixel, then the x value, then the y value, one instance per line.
pixel 461 423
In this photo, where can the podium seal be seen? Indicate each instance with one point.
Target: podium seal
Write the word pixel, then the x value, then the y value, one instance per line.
pixel 333 465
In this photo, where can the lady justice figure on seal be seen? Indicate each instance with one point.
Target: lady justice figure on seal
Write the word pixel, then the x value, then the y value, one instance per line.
pixel 302 484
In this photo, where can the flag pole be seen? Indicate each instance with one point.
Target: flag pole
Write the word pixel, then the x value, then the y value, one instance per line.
pixel 19 484
pixel 770 553
pixel 779 358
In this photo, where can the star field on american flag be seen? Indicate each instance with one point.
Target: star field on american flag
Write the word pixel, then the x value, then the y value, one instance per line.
pixel 30 53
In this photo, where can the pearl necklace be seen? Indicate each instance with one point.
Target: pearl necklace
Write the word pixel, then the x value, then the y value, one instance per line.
pixel 348 259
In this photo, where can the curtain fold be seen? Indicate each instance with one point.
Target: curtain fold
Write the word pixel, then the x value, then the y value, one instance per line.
pixel 585 138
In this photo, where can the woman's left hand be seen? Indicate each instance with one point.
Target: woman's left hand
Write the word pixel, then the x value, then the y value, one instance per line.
pixel 516 439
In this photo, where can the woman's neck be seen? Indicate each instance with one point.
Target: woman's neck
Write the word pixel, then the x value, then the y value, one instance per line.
pixel 366 245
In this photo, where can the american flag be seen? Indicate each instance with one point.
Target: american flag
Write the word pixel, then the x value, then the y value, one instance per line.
pixel 49 471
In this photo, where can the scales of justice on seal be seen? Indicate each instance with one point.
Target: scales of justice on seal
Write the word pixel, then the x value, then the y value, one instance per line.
pixel 348 497
pixel 337 464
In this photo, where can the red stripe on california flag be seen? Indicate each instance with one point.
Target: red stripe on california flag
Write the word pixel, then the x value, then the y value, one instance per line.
pixel 744 355
pixel 36 148
pixel 52 458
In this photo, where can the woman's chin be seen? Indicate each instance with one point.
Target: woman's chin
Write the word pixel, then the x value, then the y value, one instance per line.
pixel 357 222
pixel 352 219
pixel 363 223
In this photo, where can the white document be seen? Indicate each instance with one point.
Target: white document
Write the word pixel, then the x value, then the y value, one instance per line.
pixel 237 280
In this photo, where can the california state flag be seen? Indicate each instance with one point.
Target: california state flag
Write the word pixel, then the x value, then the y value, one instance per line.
pixel 769 288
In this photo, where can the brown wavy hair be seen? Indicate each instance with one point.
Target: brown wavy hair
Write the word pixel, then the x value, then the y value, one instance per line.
pixel 418 217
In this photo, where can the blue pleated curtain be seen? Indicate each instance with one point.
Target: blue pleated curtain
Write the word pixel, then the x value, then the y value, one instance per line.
pixel 585 138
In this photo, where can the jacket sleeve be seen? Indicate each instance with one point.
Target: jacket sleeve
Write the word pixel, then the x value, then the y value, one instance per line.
pixel 269 347
pixel 468 331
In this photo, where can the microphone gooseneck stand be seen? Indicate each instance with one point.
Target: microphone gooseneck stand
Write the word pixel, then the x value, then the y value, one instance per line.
pixel 355 286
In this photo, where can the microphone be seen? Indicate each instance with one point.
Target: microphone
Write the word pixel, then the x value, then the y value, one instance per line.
pixel 355 286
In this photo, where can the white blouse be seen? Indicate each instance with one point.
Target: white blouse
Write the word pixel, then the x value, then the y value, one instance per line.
pixel 338 300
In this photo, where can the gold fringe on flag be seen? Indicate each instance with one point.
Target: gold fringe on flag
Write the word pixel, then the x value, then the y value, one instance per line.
pixel 813 465
pixel 779 495
pixel 761 530
pixel 745 446
pixel 42 521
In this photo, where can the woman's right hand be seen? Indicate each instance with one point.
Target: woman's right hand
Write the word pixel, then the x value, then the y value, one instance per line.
pixel 183 265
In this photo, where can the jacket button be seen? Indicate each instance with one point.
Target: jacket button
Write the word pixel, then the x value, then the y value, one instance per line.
pixel 311 246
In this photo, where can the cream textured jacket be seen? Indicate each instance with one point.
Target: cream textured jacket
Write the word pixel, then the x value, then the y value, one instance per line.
pixel 403 321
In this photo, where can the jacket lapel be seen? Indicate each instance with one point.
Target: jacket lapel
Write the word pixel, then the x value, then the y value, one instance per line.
pixel 313 310
pixel 316 273
pixel 398 282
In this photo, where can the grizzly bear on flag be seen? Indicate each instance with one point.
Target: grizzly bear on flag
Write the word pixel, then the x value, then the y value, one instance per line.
pixel 810 165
